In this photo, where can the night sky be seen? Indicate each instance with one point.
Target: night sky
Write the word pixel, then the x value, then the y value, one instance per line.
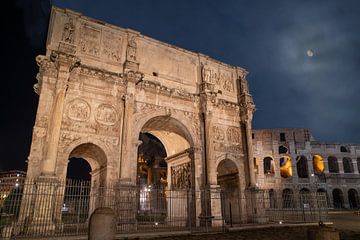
pixel 270 39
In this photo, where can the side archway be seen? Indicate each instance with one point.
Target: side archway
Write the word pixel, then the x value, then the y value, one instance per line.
pixel 228 179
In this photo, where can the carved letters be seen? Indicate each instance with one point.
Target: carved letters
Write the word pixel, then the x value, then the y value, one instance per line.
pixel 106 114
pixel 78 110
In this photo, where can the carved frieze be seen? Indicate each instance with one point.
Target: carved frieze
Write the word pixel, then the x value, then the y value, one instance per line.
pixel 106 114
pixel 68 137
pixel 90 71
pixel 111 46
pixel 78 110
pixel 233 134
pixel 90 40
pixel 109 141
pixel 147 108
pixel 181 176
pixel 164 90
pixel 223 80
pixel 230 148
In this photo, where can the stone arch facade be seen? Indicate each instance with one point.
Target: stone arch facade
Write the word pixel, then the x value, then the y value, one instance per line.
pixel 97 163
pixel 103 84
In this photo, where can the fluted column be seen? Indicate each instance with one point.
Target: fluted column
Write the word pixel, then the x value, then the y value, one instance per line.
pixel 250 154
pixel 65 65
pixel 128 160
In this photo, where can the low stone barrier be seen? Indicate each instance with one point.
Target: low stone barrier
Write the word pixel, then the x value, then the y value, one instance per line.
pixel 102 224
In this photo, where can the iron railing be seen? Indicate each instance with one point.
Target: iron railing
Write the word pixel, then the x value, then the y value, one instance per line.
pixel 51 208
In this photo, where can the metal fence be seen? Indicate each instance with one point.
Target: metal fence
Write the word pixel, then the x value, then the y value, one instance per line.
pixel 51 208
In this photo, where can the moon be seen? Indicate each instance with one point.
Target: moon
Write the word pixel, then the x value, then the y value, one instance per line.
pixel 310 53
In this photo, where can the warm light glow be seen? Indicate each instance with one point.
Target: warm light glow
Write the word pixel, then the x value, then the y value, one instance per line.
pixel 318 164
pixel 285 167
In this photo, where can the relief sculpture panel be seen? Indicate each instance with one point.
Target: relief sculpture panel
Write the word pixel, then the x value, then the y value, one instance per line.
pixel 181 176
pixel 111 46
pixel 233 134
pixel 222 79
pixel 106 114
pixel 229 142
pixel 90 40
pixel 78 110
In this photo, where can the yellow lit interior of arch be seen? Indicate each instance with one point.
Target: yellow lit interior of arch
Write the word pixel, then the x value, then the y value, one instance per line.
pixel 286 168
pixel 318 164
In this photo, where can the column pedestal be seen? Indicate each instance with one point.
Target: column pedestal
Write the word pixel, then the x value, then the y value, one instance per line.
pixel 45 195
pixel 256 205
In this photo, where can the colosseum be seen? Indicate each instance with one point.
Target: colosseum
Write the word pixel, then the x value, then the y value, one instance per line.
pixel 290 160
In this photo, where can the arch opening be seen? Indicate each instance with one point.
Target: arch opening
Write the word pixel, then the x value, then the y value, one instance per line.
pixel 318 164
pixel 323 198
pixel 288 198
pixel 333 164
pixel 269 165
pixel 302 167
pixel 228 179
pixel 338 198
pixel 285 167
pixel 85 174
pixel 348 165
pixel 353 199
pixel 304 198
pixel 164 163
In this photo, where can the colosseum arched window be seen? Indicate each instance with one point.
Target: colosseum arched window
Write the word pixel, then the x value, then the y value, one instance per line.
pixel 348 165
pixel 302 167
pixel 333 164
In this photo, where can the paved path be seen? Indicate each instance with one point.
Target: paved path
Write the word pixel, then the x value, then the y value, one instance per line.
pixel 347 222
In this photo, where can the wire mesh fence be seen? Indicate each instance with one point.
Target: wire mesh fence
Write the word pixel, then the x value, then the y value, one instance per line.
pixel 52 208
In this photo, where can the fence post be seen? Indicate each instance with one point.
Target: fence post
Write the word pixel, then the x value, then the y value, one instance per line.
pixel 102 225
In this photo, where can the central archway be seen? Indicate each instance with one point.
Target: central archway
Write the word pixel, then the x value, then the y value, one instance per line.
pixel 165 170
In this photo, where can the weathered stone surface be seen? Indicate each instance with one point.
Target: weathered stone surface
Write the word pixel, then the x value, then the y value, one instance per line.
pixel 101 85
pixel 102 224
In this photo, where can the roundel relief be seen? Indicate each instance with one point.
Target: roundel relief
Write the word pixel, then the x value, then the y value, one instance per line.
pixel 78 110
pixel 106 114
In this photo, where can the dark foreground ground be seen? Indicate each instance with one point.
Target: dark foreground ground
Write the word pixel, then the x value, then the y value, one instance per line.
pixel 347 223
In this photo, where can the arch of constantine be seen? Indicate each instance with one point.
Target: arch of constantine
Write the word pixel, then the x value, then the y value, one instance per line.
pixel 101 86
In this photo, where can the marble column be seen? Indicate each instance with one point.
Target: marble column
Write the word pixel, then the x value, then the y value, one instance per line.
pixel 65 65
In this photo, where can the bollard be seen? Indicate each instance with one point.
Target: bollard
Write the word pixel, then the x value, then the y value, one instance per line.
pixel 102 225
pixel 323 233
